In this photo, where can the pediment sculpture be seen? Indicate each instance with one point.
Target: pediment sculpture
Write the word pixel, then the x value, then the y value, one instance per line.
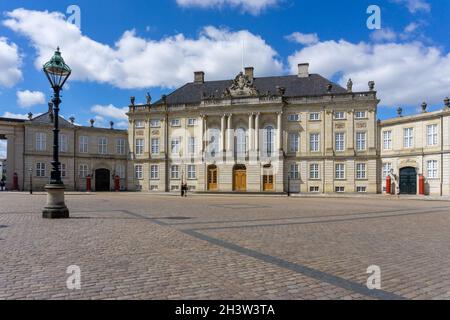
pixel 242 86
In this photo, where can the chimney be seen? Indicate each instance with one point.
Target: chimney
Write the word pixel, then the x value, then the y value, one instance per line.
pixel 249 72
pixel 303 70
pixel 199 77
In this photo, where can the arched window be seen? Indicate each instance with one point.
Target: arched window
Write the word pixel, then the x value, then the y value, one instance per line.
pixel 241 142
pixel 213 142
pixel 269 141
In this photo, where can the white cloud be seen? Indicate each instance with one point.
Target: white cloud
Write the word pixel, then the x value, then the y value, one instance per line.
pixel 10 63
pixel 16 115
pixel 110 111
pixel 27 98
pixel 135 62
pixel 411 27
pixel 407 73
pixel 415 5
pixel 303 38
pixel 251 6
pixel 385 34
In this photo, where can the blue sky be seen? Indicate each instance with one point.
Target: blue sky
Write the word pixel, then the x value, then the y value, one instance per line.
pixel 127 48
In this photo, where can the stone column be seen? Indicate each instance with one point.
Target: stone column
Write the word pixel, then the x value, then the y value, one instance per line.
pixel 280 130
pixel 203 133
pixel 250 132
pixel 257 118
pixel 222 134
pixel 230 133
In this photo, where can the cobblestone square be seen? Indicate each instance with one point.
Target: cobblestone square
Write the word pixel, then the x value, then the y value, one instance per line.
pixel 141 246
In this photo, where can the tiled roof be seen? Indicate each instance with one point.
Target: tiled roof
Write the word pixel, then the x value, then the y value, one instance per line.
pixel 295 87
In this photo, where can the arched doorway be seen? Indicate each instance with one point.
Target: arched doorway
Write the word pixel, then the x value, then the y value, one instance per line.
pixel 408 180
pixel 212 178
pixel 102 180
pixel 267 178
pixel 240 178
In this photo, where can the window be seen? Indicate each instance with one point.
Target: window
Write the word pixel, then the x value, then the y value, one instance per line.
pixel 314 189
pixel 340 171
pixel 84 144
pixel 432 135
pixel 340 141
pixel 175 146
pixel 192 145
pixel 293 117
pixel 315 116
pixel 361 189
pixel 102 145
pixel 241 142
pixel 138 172
pixel 84 171
pixel 41 141
pixel 40 169
pixel 191 172
pixel 139 146
pixel 314 171
pixel 155 123
pixel 63 170
pixel 314 142
pixel 139 124
pixel 294 173
pixel 120 171
pixel 408 137
pixel 432 169
pixel 63 143
pixel 269 141
pixel 175 122
pixel 192 122
pixel 120 146
pixel 361 138
pixel 175 172
pixel 361 171
pixel 387 167
pixel 339 115
pixel 155 146
pixel 339 189
pixel 294 142
pixel 214 142
pixel 154 172
pixel 360 114
pixel 387 140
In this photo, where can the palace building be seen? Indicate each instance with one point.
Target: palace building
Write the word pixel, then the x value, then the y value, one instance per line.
pixel 300 133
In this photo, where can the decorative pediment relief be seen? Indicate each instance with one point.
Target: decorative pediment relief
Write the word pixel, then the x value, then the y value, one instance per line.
pixel 242 87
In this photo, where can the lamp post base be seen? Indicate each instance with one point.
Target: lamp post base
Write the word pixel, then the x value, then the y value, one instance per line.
pixel 56 207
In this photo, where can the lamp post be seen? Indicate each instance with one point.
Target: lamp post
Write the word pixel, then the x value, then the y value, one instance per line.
pixel 31 180
pixel 57 72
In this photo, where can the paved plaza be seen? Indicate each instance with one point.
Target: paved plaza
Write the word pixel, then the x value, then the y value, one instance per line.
pixel 140 246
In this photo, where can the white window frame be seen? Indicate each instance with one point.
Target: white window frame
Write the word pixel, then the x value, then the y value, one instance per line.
pixel 175 146
pixel 41 141
pixel 294 117
pixel 339 189
pixel 192 122
pixel 361 141
pixel 155 145
pixel 154 172
pixel 339 141
pixel 432 135
pixel 192 146
pixel 360 114
pixel 294 171
pixel 83 170
pixel 387 167
pixel 294 142
pixel 314 142
pixel 339 171
pixel 314 171
pixel 314 116
pixel 102 145
pixel 41 171
pixel 387 140
pixel 84 144
pixel 120 171
pixel 175 123
pixel 314 189
pixel 63 142
pixel 432 169
pixel 120 146
pixel 155 123
pixel 139 124
pixel 192 172
pixel 139 147
pixel 139 171
pixel 361 171
pixel 339 115
pixel 361 189
pixel 175 172
pixel 408 137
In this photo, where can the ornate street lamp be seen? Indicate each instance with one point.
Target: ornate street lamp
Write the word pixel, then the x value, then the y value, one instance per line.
pixel 57 72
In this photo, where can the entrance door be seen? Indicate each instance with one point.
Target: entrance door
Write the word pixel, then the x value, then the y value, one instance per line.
pixel 408 181
pixel 102 180
pixel 212 178
pixel 268 178
pixel 240 178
